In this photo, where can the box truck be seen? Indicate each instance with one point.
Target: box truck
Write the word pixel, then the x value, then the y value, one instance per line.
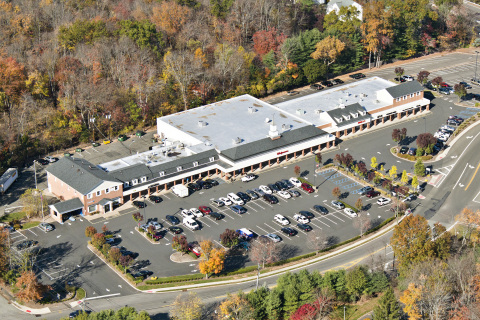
pixel 180 190
pixel 7 179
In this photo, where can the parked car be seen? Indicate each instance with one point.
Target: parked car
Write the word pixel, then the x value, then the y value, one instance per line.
pixel 175 229
pixel 51 159
pixel 304 227
pixel 144 274
pixel 327 83
pixel 43 162
pixel 197 213
pixel 216 215
pixel 412 151
pixel 157 236
pixel 300 218
pixel 284 194
pixel 444 91
pixel 281 219
pixel 338 204
pixel 139 204
pixel 226 201
pixel 195 248
pixel 316 86
pixel 465 85
pixel 45 226
pixel 372 194
pixel 307 214
pixel 245 197
pixel 357 76
pixel 307 187
pixel 292 93
pixel 122 137
pixel 320 209
pixel 155 224
pixel 365 189
pixel 282 186
pixel 205 209
pixel 295 193
pixel 26 244
pixel 272 237
pixel 245 233
pixel 383 201
pixel 408 78
pixel 187 214
pixel 172 219
pixel 350 212
pixel 403 150
pixel 204 184
pixel 194 187
pixel 212 182
pixel 252 194
pixel 238 209
pixel 289 231
pixel 155 199
pixel 409 198
pixel 265 189
pixel 218 203
pixel 337 81
pixel 288 183
pixel 273 187
pixel 270 199
pixel 295 182
pixel 248 178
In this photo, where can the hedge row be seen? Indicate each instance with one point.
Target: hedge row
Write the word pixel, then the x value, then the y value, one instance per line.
pixel 280 263
pixel 240 271
pixel 348 206
pixel 183 278
pixel 380 225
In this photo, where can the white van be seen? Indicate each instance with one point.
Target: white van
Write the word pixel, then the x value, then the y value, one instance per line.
pixel 191 224
pixel 235 199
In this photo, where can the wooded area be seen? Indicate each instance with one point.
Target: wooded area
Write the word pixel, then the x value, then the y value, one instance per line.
pixel 74 71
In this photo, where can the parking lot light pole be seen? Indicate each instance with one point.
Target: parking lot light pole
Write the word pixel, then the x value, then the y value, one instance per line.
pixel 314 170
pixel 144 209
pixel 35 172
pixel 425 122
pixel 476 59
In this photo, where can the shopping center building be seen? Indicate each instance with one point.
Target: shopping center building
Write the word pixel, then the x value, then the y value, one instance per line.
pixel 231 138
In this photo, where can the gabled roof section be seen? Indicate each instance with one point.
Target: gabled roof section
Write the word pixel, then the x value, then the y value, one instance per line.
pixel 267 144
pixel 67 206
pixel 133 172
pixel 186 163
pixel 79 174
pixel 404 89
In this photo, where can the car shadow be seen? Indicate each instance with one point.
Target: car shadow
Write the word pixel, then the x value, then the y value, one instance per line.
pixel 344 195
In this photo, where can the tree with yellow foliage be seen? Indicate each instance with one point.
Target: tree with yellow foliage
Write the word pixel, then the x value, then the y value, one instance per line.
pixel 214 263
pixel 328 50
pixel 470 221
pixel 187 307
pixel 411 298
pixel 236 307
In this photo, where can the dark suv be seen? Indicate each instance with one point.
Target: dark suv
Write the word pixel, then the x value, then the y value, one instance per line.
pixel 270 199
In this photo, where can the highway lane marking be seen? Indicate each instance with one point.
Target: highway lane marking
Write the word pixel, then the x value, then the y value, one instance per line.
pixel 459 177
pixel 474 174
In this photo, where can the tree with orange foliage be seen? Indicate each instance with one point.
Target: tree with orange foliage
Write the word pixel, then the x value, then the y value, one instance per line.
pixel 170 17
pixel 470 221
pixel 12 83
pixel 30 288
pixel 4 251
pixel 411 299
pixel 214 263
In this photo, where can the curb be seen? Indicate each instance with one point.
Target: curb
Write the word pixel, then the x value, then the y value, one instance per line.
pixel 45 310
pixel 445 152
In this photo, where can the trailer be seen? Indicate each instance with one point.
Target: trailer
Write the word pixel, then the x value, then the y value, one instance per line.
pixel 180 190
pixel 7 179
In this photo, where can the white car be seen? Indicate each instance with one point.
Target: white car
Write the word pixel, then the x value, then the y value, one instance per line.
pixel 226 201
pixel 196 212
pixel 295 182
pixel 281 219
pixel 51 159
pixel 187 214
pixel 383 201
pixel 284 194
pixel 350 212
pixel 408 78
pixel 265 189
pixel 338 204
pixel 155 224
pixel 248 178
pixel 301 218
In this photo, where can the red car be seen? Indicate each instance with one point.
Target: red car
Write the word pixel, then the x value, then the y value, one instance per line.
pixel 195 248
pixel 205 209
pixel 307 187
pixel 158 236
pixel 444 85
pixel 372 194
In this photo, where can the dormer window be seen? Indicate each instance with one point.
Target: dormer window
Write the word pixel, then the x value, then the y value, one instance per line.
pixel 363 113
pixel 211 159
pixel 134 182
pixel 398 99
pixel 195 164
pixel 347 117
pixel 339 120
pixel 404 97
pixel 355 115
pixel 418 93
pixel 126 184
pixel 144 179
pixel 179 168
pixel 162 174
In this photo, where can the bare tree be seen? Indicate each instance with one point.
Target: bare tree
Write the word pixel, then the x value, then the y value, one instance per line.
pixel 316 240
pixel 463 270
pixel 264 251
pixel 362 223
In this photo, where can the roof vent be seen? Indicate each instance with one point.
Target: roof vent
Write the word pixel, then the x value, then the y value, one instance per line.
pixel 377 101
pixel 284 126
pixel 341 106
pixel 300 111
pixel 267 120
pixel 363 95
pixel 237 141
pixel 318 111
pixel 202 123
pixel 252 110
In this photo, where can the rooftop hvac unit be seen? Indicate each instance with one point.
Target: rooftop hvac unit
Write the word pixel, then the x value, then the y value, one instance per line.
pixel 318 111
pixel 341 106
pixel 202 123
pixel 284 126
pixel 237 141
pixel 377 101
pixel 251 110
pixel 267 120
pixel 300 111
pixel 363 95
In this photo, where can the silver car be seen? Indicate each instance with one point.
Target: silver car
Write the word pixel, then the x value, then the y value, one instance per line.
pixel 45 226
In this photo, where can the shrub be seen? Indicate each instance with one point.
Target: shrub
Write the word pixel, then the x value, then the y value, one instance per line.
pixel 98 240
pixel 229 238
pixel 180 243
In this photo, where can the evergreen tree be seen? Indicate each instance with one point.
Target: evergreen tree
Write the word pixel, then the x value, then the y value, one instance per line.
pixel 291 300
pixel 378 281
pixel 305 286
pixel 387 308
pixel 419 168
pixel 317 278
pixel 357 281
pixel 274 304
pixel 257 299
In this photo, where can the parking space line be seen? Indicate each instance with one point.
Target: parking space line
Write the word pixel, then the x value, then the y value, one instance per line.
pixel 345 215
pixel 220 244
pixel 211 220
pixel 337 217
pixel 329 219
pixel 275 230
pixel 205 224
pixel 268 204
pixel 320 222
pixel 33 232
pixel 248 206
pixel 300 230
pixel 263 230
pixel 228 215
pixel 278 197
pixel 256 203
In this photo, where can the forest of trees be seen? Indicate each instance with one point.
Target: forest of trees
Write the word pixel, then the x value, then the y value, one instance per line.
pixel 76 70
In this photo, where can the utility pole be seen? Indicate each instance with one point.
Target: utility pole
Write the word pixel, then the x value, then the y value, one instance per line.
pixel 476 59
pixel 258 275
pixel 144 209
pixel 314 170
pixel 35 170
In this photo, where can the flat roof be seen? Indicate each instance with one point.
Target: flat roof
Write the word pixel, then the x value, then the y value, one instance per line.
pixel 363 92
pixel 233 122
